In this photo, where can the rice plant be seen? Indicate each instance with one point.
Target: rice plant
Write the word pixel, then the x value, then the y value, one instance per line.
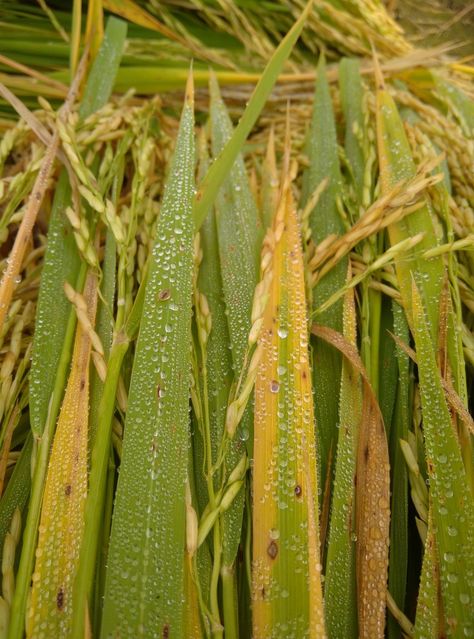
pixel 236 324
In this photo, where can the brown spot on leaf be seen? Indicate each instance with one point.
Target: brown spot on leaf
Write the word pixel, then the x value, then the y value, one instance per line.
pixel 67 489
pixel 272 549
pixel 164 295
pixel 166 631
pixel 60 599
pixel 298 490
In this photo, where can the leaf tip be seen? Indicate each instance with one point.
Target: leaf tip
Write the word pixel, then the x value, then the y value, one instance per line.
pixel 379 81
pixel 189 92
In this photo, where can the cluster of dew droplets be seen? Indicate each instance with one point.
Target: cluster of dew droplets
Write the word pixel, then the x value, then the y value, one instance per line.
pixel 148 574
pixel 288 558
pixel 453 512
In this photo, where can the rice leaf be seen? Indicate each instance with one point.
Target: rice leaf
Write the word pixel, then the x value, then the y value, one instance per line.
pixel 372 499
pixel 459 103
pixel 150 499
pixel 398 559
pixel 17 490
pixel 428 613
pixel 340 582
pixel 215 379
pixel 452 502
pixel 219 170
pixel 61 265
pixel 133 12
pixel 351 91
pixel 396 164
pixel 239 235
pixel 269 188
pixel 286 568
pixel 323 156
pixel 372 522
pixel 104 70
pixel 61 522
pixel 239 238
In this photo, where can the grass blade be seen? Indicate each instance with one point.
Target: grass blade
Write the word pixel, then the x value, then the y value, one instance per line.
pixel 340 583
pixel 286 588
pixel 352 96
pixel 239 238
pixel 372 499
pixel 62 522
pixel 61 265
pixel 150 499
pixel 323 155
pixel 452 502
pixel 398 560
pixel 428 617
pixel 372 522
pixel 396 164
pixel 17 490
pixel 104 70
pixel 269 194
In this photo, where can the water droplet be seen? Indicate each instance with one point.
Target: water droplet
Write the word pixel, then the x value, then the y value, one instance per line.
pixel 282 333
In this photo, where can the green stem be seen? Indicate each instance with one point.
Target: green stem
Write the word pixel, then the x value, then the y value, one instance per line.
pixel 229 600
pixel 217 629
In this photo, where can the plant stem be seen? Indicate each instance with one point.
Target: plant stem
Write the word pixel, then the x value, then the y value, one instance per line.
pixel 229 599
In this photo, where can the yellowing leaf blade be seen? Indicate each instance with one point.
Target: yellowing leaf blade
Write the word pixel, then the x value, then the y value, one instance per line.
pixel 286 588
pixel 62 520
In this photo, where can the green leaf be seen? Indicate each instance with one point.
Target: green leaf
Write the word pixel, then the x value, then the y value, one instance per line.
pixel 17 490
pixel 451 498
pixel 323 155
pixel 104 70
pixel 396 164
pixel 398 560
pixel 239 237
pixel 340 583
pixel 61 264
pixel 150 498
pixel 351 90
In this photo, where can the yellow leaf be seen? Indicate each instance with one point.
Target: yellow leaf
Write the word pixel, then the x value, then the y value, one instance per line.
pixel 62 514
